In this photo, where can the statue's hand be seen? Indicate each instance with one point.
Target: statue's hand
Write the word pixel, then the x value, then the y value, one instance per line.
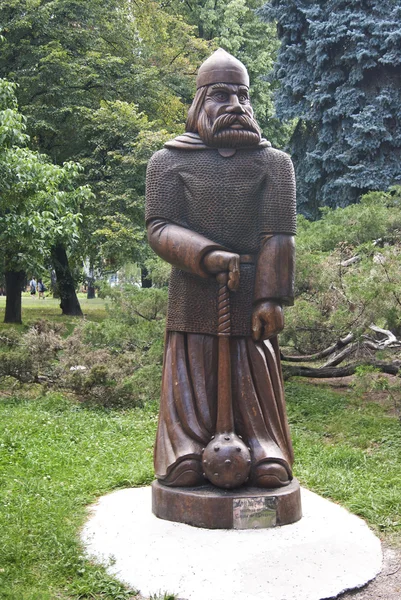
pixel 219 261
pixel 267 320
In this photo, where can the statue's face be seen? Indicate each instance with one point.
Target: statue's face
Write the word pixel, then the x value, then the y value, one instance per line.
pixel 226 119
pixel 224 99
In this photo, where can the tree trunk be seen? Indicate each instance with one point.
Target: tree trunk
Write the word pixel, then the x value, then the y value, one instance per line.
pixel 328 372
pixel 14 282
pixel 91 290
pixel 53 284
pixel 91 284
pixel 69 302
pixel 145 279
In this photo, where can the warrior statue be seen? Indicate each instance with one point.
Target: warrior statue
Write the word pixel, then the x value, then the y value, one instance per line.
pixel 220 199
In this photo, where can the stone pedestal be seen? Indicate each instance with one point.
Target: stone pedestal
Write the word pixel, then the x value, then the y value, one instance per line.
pixel 213 508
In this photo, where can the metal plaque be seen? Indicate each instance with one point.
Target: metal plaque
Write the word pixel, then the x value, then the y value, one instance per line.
pixel 254 513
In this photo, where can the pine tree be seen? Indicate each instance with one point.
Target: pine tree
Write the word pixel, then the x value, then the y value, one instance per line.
pixel 339 67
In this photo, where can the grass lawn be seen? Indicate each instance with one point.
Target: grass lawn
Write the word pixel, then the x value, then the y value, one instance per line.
pixel 34 308
pixel 349 450
pixel 57 455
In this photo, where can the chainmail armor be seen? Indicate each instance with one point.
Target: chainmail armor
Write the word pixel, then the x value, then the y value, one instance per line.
pixel 231 201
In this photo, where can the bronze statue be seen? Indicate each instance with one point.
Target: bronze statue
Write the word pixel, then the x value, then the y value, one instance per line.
pixel 221 210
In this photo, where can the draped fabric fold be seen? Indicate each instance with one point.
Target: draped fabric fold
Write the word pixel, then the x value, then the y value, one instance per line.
pixel 189 400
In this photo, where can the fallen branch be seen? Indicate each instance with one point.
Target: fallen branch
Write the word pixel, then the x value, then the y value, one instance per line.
pixel 329 372
pixel 338 358
pixel 391 340
pixel 323 353
pixel 350 261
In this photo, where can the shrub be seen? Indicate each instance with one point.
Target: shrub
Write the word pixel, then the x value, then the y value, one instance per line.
pixel 9 337
pixel 18 364
pixel 116 362
pixel 334 297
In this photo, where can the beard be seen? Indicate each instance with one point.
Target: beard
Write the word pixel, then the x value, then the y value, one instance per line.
pixel 220 135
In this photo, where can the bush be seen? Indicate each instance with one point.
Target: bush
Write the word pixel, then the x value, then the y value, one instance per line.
pixel 18 364
pixel 131 305
pixel 9 337
pixel 332 297
pixel 116 362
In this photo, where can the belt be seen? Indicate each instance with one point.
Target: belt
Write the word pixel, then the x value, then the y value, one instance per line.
pixel 247 259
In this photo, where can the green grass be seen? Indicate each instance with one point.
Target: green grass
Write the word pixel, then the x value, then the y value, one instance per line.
pixel 34 309
pixel 56 457
pixel 348 450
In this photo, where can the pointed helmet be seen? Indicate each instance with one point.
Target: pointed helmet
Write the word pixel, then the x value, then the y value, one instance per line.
pixel 222 67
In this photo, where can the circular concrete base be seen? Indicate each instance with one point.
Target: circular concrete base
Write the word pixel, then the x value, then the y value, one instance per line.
pixel 214 508
pixel 325 553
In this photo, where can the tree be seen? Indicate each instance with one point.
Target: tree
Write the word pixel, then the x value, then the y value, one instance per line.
pixel 69 56
pixel 338 66
pixel 38 202
pixel 120 141
pixel 84 68
pixel 236 26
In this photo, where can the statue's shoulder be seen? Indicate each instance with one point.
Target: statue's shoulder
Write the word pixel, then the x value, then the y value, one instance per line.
pixel 276 154
pixel 277 158
pixel 166 162
pixel 186 141
pixel 162 158
pixel 169 154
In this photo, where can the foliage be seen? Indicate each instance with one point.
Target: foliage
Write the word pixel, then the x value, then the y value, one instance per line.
pixel 131 304
pixel 9 337
pixel 101 82
pixel 86 53
pixel 338 67
pixel 114 221
pixel 333 299
pixel 17 364
pixel 114 362
pixel 120 142
pixel 38 200
pixel 159 271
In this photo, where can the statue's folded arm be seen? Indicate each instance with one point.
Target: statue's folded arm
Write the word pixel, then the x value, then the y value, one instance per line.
pixel 179 246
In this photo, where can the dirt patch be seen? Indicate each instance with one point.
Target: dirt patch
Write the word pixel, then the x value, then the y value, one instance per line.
pixel 337 383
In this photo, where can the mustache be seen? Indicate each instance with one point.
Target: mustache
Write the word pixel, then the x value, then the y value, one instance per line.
pixel 225 121
pixel 225 137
